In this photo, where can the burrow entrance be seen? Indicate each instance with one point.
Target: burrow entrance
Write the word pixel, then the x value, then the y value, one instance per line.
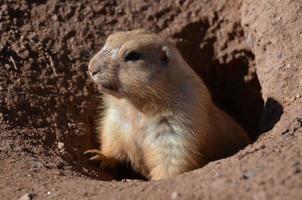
pixel 226 64
pixel 67 106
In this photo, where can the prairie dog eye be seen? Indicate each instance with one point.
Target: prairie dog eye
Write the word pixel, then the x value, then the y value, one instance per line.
pixel 132 56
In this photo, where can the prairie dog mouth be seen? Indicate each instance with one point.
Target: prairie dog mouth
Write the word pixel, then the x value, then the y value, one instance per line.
pixel 106 88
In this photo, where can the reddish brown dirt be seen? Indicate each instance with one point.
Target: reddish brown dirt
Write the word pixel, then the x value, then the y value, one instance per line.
pixel 48 105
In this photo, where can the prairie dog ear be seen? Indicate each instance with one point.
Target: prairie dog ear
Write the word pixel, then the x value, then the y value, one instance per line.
pixel 164 55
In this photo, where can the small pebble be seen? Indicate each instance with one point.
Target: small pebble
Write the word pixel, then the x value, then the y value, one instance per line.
pixel 60 145
pixel 27 196
pixel 174 195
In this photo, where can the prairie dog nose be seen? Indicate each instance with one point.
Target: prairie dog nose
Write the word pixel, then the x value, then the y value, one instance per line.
pixel 94 67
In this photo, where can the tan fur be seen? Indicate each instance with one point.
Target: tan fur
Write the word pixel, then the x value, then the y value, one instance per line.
pixel 158 115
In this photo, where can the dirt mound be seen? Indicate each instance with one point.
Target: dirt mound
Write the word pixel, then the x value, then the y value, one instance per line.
pixel 248 53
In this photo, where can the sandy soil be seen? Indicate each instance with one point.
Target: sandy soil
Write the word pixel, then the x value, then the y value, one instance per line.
pixel 249 54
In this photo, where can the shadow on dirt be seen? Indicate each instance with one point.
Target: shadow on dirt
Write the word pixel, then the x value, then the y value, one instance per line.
pixel 272 113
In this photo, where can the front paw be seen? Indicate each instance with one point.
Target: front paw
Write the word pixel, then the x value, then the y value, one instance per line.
pixel 105 162
pixel 98 157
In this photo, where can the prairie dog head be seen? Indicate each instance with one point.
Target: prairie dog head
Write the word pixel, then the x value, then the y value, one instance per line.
pixel 137 65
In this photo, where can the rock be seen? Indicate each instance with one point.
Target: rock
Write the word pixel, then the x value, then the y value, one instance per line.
pixel 27 196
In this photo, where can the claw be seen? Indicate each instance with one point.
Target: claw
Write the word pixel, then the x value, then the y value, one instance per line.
pixel 96 158
pixel 99 157
pixel 91 151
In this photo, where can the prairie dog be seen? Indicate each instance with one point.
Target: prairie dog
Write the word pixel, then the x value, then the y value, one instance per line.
pixel 158 114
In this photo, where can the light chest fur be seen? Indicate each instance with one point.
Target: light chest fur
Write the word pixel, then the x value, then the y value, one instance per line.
pixel 135 136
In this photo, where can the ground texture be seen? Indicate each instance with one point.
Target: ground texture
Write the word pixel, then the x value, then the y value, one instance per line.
pixel 248 53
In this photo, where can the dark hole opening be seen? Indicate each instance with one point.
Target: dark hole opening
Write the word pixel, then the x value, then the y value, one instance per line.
pixel 227 69
pixel 225 63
